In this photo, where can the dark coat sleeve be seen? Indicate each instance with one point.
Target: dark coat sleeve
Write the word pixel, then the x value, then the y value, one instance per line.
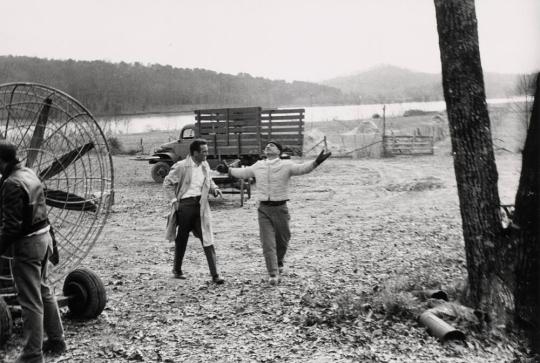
pixel 13 197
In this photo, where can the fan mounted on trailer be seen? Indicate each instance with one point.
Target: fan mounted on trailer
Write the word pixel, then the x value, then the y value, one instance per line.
pixel 61 141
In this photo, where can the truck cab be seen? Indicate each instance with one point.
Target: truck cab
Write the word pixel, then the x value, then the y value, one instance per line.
pixel 169 153
pixel 178 149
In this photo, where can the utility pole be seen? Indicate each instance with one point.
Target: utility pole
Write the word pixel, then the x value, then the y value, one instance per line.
pixel 383 130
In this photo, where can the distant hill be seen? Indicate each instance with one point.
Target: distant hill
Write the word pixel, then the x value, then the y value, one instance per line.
pixel 388 83
pixel 122 88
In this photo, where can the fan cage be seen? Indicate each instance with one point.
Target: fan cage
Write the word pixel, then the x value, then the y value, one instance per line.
pixel 47 125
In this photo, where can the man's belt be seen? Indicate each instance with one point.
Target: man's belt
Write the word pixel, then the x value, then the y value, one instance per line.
pixel 273 203
pixel 190 199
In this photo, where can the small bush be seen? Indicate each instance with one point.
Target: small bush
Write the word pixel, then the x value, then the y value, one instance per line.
pixel 415 112
pixel 115 146
pixel 396 300
pixel 347 306
pixel 399 304
pixel 331 310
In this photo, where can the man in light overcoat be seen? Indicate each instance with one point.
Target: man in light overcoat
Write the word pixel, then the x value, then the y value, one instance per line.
pixel 187 187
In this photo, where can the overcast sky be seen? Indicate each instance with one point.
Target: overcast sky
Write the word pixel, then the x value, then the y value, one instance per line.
pixel 308 40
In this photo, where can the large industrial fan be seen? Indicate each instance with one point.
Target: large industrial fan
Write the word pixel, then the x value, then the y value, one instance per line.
pixel 60 140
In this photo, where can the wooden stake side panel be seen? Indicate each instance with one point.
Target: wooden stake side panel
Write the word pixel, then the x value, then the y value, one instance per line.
pixel 239 131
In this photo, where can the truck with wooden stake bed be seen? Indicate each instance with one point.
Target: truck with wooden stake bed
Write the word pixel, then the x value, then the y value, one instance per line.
pixel 236 135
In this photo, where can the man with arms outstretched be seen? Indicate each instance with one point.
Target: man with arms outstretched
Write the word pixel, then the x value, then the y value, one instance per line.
pixel 272 176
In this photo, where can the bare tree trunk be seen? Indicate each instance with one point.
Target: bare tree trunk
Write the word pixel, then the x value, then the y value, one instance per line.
pixel 503 265
pixel 474 160
pixel 526 237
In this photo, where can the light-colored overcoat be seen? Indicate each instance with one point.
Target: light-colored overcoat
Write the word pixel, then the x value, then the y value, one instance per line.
pixel 176 183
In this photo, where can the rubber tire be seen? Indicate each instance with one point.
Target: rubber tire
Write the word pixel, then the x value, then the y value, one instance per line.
pixel 160 171
pixel 87 294
pixel 6 322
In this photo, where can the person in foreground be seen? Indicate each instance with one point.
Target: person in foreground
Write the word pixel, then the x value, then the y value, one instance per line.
pixel 187 187
pixel 272 176
pixel 24 229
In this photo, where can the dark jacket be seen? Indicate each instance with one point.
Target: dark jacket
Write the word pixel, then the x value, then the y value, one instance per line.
pixel 22 205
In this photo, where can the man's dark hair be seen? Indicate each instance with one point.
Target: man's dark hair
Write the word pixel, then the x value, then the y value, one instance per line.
pixel 8 152
pixel 196 145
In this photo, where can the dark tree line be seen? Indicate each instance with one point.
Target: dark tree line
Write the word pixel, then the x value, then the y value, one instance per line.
pixel 120 88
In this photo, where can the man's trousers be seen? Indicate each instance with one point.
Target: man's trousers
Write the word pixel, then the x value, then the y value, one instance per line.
pixel 39 308
pixel 275 235
pixel 188 218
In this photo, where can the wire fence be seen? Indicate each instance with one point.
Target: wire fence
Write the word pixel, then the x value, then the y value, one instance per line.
pixel 345 141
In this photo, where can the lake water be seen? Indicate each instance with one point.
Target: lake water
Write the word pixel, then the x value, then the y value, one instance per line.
pixel 173 122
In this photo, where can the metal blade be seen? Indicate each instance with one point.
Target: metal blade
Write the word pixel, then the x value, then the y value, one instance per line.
pixel 64 161
pixel 69 201
pixel 39 132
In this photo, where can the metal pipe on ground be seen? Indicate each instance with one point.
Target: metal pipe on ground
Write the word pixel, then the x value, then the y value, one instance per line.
pixel 439 328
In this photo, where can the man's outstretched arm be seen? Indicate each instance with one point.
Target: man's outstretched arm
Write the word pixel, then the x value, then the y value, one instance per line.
pixel 304 168
pixel 240 173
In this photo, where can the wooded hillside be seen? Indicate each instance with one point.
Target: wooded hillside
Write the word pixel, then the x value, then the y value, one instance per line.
pixel 122 88
pixel 389 83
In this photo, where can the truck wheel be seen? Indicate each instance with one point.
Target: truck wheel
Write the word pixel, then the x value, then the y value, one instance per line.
pixel 6 323
pixel 160 171
pixel 86 294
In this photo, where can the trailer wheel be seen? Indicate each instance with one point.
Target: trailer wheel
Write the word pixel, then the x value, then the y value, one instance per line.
pixel 160 171
pixel 86 294
pixel 6 323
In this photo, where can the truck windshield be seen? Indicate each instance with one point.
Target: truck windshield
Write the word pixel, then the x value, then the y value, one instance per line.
pixel 188 134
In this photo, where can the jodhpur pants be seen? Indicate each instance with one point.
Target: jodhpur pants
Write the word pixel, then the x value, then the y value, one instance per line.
pixel 275 235
pixel 39 307
pixel 188 218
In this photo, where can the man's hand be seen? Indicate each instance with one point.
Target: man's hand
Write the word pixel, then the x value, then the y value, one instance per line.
pixel 218 193
pixel 223 168
pixel 322 157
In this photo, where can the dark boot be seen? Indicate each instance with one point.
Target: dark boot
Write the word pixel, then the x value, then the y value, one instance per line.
pixel 177 265
pixel 210 253
pixel 218 280
pixel 179 251
pixel 54 346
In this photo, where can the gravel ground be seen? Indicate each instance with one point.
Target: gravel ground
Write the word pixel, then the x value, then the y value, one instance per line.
pixel 361 229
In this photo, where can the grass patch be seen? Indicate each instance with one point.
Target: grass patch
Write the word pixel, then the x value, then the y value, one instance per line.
pixel 416 185
pixel 321 308
pixel 394 301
